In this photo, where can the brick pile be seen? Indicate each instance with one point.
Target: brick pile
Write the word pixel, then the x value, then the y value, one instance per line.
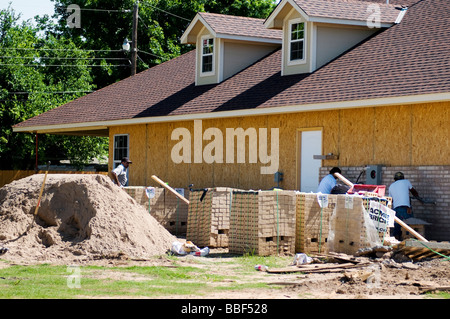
pixel 313 222
pixel 262 223
pixel 209 217
pixel 165 207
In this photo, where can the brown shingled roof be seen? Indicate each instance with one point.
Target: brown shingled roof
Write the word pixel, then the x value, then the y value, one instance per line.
pixel 347 9
pixel 240 26
pixel 408 59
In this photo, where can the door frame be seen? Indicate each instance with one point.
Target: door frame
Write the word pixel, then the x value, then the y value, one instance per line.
pixel 298 148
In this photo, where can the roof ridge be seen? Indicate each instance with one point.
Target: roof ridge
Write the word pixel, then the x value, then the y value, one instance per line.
pixel 230 16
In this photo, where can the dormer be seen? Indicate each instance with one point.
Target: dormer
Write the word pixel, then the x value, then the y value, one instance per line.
pixel 317 31
pixel 228 44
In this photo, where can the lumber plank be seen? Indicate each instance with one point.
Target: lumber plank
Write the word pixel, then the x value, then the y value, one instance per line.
pixel 317 268
pixel 430 244
pixel 157 179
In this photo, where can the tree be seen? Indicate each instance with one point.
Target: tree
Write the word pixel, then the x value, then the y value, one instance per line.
pixel 34 78
pixel 160 26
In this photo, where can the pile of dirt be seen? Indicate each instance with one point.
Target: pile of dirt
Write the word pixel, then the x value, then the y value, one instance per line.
pixel 80 217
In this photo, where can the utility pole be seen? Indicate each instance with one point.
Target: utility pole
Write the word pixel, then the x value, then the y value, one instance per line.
pixel 134 39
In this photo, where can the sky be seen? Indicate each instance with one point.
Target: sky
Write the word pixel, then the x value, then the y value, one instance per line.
pixel 29 8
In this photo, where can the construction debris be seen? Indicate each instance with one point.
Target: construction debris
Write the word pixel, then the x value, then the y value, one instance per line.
pixel 418 250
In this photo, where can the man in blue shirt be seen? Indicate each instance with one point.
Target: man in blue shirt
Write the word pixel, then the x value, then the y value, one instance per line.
pixel 399 191
pixel 328 182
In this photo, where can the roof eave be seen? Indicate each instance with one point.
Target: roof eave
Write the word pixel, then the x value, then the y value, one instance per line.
pixel 190 34
pixel 362 23
pixel 101 127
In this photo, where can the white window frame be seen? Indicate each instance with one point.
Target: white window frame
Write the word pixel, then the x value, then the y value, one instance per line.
pixel 290 41
pixel 202 55
pixel 116 162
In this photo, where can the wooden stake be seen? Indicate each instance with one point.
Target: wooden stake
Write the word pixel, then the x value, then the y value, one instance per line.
pixel 157 179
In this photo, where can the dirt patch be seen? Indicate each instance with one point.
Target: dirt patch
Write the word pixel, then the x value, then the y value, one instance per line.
pixel 80 217
pixel 86 219
pixel 380 279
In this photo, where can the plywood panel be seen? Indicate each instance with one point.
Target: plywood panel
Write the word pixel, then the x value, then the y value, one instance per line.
pixel 356 136
pixel 138 154
pixel 225 174
pixel 430 134
pixel 392 136
pixel 157 150
pixel 178 174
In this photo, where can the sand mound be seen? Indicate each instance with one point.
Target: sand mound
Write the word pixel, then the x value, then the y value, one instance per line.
pixel 81 217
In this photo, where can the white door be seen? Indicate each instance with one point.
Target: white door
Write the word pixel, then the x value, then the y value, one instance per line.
pixel 311 144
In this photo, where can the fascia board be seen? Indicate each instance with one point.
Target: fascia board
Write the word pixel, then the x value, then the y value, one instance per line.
pixel 379 102
pixel 248 38
pixel 197 18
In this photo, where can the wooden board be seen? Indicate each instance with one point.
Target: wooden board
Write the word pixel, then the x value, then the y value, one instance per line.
pixel 418 250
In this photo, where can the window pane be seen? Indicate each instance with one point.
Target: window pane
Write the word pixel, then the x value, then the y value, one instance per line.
pixel 208 46
pixel 297 31
pixel 297 50
pixel 120 147
pixel 207 63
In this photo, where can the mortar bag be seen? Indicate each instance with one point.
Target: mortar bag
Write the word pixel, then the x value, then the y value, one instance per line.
pixel 188 246
pixel 202 252
pixel 302 259
pixel 178 248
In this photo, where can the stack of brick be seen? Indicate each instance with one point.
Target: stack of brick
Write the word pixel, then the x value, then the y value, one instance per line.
pixel 340 225
pixel 175 215
pixel 313 222
pixel 262 223
pixel 209 217
pixel 165 207
pixel 348 225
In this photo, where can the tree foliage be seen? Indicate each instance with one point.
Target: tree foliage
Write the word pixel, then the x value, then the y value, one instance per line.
pixel 33 76
pixel 161 24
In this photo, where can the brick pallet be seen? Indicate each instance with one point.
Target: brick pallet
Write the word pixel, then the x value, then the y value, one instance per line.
pixel 209 217
pixel 165 207
pixel 262 223
pixel 349 226
pixel 313 223
pixel 335 227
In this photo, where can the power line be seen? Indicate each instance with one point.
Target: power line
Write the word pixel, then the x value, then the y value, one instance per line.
pixel 151 54
pixel 57 58
pixel 128 11
pixel 145 64
pixel 45 49
pixel 177 16
pixel 66 65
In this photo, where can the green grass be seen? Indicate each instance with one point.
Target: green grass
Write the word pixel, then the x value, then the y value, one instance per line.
pixel 47 281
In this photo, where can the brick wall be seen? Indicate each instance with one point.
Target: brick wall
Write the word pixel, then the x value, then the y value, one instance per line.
pixel 432 182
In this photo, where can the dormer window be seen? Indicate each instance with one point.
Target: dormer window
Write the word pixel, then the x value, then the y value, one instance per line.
pixel 207 55
pixel 297 42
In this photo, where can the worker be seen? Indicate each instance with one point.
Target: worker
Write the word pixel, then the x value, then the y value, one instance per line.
pixel 119 174
pixel 328 182
pixel 401 203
